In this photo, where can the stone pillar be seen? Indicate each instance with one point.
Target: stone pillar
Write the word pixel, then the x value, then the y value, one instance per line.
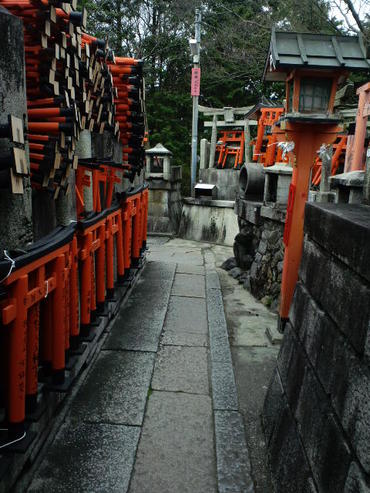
pixel 247 141
pixel 84 151
pixel 15 210
pixel 212 151
pixel 204 154
pixel 326 169
pixel 65 206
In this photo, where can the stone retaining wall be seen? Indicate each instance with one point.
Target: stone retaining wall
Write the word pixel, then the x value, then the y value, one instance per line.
pixel 317 411
pixel 165 203
pixel 259 249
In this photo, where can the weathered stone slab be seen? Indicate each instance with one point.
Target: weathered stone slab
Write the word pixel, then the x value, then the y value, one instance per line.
pixel 287 457
pixel 325 277
pixel 157 270
pixel 233 466
pixel 189 285
pixel 177 255
pixel 344 230
pixel 116 389
pixel 326 448
pixel 186 322
pixel 190 269
pixel 181 369
pixel 142 335
pixel 140 321
pixel 176 449
pixel 88 458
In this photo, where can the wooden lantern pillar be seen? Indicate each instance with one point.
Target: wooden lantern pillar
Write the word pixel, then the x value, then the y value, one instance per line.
pixel 307 139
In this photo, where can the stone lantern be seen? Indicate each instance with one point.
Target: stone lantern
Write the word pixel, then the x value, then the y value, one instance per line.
pixel 312 66
pixel 158 162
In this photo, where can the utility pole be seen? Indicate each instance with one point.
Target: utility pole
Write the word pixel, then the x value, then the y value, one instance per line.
pixel 195 90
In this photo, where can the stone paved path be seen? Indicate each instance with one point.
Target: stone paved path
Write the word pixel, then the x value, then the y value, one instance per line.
pixel 158 411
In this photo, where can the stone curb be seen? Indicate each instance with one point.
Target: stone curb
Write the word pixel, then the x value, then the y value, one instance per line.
pixel 233 463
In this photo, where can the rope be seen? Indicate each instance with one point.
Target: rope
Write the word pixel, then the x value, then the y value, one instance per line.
pixel 12 265
pixel 13 441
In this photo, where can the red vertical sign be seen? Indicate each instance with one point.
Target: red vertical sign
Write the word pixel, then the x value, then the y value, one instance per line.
pixel 195 81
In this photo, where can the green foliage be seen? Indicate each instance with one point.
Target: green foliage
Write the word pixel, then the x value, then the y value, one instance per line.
pixel 235 40
pixel 169 119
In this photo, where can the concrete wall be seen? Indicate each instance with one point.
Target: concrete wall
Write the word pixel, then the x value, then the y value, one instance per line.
pixel 259 249
pixel 317 410
pixel 211 221
pixel 226 180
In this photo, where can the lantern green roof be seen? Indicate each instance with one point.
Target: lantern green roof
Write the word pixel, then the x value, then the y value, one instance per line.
pixel 289 50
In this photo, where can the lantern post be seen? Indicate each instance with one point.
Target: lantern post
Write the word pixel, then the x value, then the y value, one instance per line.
pixel 312 66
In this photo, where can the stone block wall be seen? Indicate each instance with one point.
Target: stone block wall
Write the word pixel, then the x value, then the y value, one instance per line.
pixel 317 409
pixel 226 181
pixel 165 203
pixel 259 249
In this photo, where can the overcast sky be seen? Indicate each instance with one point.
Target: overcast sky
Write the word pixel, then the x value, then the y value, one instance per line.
pixel 340 11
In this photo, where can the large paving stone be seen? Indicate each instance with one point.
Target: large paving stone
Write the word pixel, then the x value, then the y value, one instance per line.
pixel 181 369
pixel 158 270
pixel 116 389
pixel 177 255
pixel 88 458
pixel 186 322
pixel 140 321
pixel 233 466
pixel 190 269
pixel 157 241
pixel 142 335
pixel 137 328
pixel 188 285
pixel 176 449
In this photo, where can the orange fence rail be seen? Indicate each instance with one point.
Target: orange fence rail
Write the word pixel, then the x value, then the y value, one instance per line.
pixel 51 295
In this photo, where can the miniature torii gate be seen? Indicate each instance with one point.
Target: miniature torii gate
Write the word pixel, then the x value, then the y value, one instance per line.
pixel 232 117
